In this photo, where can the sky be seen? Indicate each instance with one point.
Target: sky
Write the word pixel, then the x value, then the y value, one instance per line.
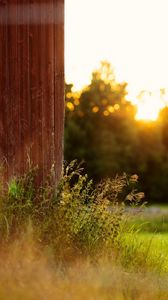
pixel 131 34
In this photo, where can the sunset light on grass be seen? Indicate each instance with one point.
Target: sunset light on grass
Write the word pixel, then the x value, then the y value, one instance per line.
pixel 131 35
pixel 84 150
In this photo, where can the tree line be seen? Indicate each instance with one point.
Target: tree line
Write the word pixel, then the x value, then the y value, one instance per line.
pixel 101 130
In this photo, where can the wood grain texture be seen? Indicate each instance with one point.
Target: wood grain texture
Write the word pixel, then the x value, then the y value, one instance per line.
pixel 31 85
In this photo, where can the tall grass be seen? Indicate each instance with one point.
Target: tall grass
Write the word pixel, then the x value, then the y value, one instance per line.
pixel 72 217
pixel 31 274
pixel 73 241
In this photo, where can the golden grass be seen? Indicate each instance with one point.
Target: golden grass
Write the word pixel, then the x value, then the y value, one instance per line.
pixel 28 273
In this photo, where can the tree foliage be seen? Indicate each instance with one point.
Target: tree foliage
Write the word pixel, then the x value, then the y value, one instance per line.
pixel 100 128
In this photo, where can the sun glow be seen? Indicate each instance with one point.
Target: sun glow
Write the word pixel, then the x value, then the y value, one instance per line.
pixel 131 35
pixel 149 105
pixel 148 112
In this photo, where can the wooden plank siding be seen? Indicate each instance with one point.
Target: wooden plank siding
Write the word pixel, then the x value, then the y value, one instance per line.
pixel 31 85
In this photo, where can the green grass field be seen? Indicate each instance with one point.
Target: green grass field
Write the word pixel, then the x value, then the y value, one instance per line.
pixel 152 219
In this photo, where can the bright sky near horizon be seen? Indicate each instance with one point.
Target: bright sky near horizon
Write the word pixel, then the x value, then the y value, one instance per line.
pixel 131 34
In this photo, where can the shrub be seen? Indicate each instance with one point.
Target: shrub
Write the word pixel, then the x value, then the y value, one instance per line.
pixel 72 217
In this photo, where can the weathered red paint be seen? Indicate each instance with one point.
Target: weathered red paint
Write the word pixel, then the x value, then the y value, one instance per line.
pixel 31 85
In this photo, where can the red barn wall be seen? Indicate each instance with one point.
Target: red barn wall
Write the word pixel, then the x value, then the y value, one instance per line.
pixel 31 85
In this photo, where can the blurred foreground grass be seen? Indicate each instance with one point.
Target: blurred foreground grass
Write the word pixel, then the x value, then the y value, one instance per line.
pixel 30 273
pixel 75 241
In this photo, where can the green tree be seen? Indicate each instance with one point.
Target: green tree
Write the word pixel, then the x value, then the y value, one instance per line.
pixel 99 127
